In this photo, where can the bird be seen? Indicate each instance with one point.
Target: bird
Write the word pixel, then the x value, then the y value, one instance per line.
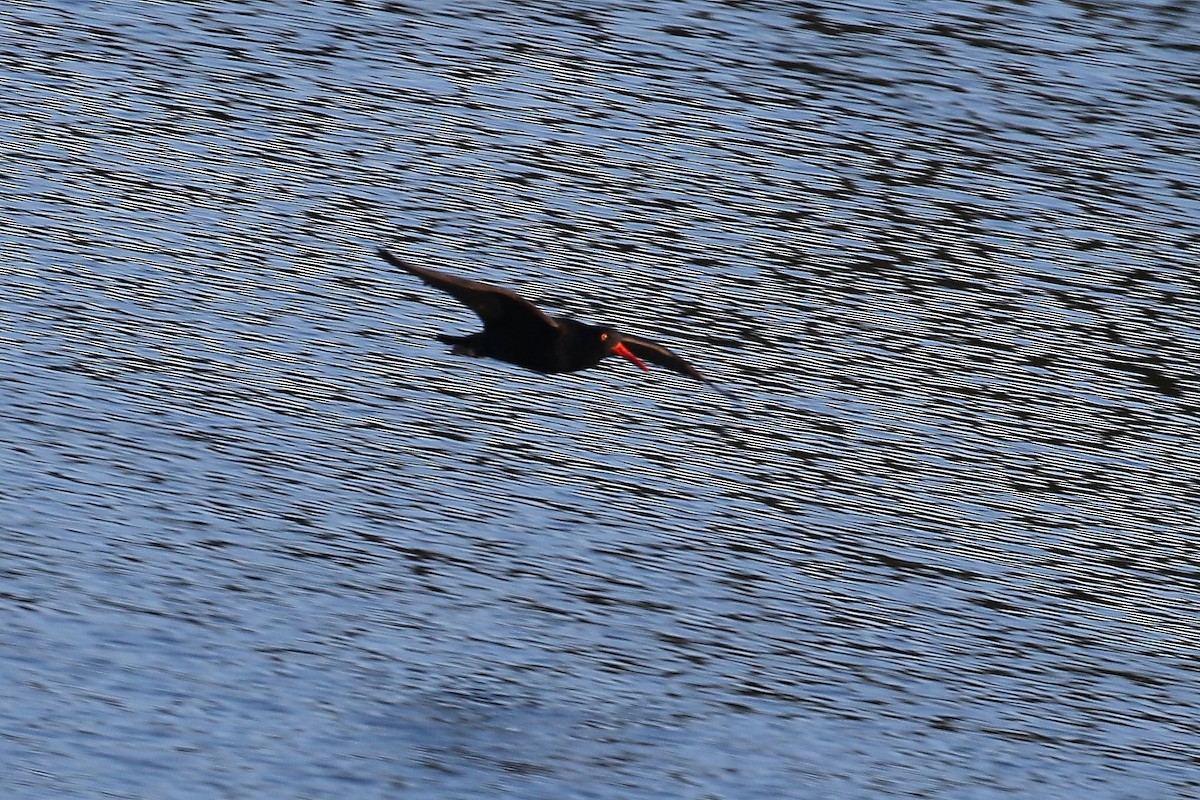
pixel 517 331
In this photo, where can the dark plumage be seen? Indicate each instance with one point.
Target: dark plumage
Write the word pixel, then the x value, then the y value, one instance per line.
pixel 517 331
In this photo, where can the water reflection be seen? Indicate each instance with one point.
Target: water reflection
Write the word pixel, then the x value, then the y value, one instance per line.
pixel 254 511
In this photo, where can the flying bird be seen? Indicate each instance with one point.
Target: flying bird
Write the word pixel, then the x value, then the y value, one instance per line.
pixel 517 331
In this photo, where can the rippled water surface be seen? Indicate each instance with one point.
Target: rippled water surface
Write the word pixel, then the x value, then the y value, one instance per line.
pixel 262 536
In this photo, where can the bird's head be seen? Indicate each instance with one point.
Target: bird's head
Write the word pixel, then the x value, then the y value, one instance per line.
pixel 611 343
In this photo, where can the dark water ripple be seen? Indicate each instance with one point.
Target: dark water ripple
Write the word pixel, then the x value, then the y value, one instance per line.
pixel 260 536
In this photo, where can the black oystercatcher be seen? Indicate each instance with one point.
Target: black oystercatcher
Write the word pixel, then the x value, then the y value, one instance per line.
pixel 517 331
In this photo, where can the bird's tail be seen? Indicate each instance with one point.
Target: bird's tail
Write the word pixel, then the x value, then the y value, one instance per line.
pixel 463 345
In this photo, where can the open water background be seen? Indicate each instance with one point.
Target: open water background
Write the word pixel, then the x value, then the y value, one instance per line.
pixel 261 536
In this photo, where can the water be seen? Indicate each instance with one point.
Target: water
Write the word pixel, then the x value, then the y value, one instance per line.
pixel 262 536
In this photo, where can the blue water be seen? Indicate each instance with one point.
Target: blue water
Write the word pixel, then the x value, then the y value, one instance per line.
pixel 262 536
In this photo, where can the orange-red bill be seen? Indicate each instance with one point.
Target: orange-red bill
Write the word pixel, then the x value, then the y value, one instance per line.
pixel 626 353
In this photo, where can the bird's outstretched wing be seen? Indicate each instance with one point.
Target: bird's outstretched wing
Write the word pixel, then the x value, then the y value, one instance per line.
pixel 657 354
pixel 494 305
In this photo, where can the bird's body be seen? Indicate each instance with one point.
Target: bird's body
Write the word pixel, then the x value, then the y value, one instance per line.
pixel 517 331
pixel 567 347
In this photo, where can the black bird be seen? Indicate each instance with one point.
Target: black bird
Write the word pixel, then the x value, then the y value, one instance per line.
pixel 517 331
